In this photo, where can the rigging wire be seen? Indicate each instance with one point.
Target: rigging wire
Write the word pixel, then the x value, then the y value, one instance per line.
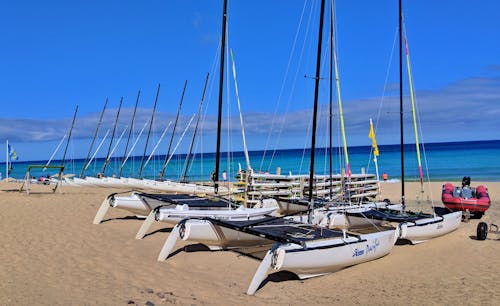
pixel 382 98
pixel 228 106
pixel 294 82
pixel 285 77
pixel 422 142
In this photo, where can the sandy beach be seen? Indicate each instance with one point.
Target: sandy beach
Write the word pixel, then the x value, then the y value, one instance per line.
pixel 52 254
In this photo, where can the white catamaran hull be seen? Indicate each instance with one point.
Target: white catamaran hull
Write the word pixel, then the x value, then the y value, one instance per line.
pixel 420 230
pixel 314 258
pixel 321 257
pixel 335 217
pixel 214 236
pixel 174 215
pixel 425 229
pixel 130 203
pixel 180 212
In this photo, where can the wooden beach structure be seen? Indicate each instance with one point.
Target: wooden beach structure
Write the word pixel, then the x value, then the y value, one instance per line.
pixel 258 186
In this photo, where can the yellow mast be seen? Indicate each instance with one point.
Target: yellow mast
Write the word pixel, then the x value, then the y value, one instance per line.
pixel 412 98
pixel 341 113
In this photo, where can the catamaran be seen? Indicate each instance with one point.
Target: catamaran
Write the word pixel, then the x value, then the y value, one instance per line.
pixel 173 208
pixel 302 248
pixel 350 192
pixel 415 226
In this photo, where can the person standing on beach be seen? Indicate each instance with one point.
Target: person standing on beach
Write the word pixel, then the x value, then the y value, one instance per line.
pixel 212 176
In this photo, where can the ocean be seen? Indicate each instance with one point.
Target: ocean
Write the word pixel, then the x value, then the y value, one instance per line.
pixel 441 161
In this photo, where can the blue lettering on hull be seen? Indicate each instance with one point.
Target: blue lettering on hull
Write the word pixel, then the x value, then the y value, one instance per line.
pixel 370 248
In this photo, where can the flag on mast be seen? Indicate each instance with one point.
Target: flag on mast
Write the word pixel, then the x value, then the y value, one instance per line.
pixel 371 135
pixel 12 153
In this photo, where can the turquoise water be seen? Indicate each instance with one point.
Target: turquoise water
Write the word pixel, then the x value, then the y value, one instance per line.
pixel 445 161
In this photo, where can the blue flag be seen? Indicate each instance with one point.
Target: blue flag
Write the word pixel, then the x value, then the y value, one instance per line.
pixel 12 153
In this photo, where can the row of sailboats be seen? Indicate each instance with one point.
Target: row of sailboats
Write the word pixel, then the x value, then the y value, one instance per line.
pixel 304 244
pixel 303 248
pixel 142 183
pixel 173 209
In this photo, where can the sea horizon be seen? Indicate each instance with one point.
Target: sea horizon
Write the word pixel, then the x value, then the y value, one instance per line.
pixel 445 161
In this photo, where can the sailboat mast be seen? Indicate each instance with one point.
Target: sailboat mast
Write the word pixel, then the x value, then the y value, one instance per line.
pixel 106 161
pixel 69 136
pixel 129 132
pixel 401 103
pixel 221 86
pixel 315 111
pixel 149 131
pixel 162 172
pixel 188 156
pixel 6 159
pixel 330 123
pixel 245 148
pixel 346 187
pixel 93 139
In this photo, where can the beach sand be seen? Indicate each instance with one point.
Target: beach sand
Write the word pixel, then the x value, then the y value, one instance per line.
pixel 52 254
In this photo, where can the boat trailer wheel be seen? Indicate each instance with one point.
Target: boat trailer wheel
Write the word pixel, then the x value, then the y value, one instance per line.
pixel 482 231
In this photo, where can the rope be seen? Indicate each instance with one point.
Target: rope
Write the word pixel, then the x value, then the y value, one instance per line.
pixel 285 77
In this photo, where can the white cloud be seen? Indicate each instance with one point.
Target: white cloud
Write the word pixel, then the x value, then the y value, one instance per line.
pixel 466 110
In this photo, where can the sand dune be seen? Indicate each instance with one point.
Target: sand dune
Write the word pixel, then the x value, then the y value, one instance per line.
pixel 52 254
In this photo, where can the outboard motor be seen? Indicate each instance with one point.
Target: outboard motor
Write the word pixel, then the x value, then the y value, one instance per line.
pixel 466 181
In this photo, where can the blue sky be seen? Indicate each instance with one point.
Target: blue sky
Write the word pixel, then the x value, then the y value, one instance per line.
pixel 57 54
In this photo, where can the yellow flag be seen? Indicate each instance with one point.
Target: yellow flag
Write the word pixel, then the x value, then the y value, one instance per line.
pixel 371 135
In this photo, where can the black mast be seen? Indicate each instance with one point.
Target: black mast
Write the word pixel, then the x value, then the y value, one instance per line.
pixel 315 111
pixel 149 131
pixel 402 148
pixel 188 160
pixel 162 172
pixel 330 153
pixel 93 139
pixel 69 136
pixel 129 133
pixel 106 161
pixel 221 86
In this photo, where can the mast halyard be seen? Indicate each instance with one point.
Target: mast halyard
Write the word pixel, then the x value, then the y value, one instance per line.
pixel 69 136
pixel 180 138
pixel 135 143
pixel 158 143
pixel 245 148
pixel 91 160
pixel 315 112
pixel 188 156
pixel 106 161
pixel 149 131
pixel 55 151
pixel 85 164
pixel 167 157
pixel 129 133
